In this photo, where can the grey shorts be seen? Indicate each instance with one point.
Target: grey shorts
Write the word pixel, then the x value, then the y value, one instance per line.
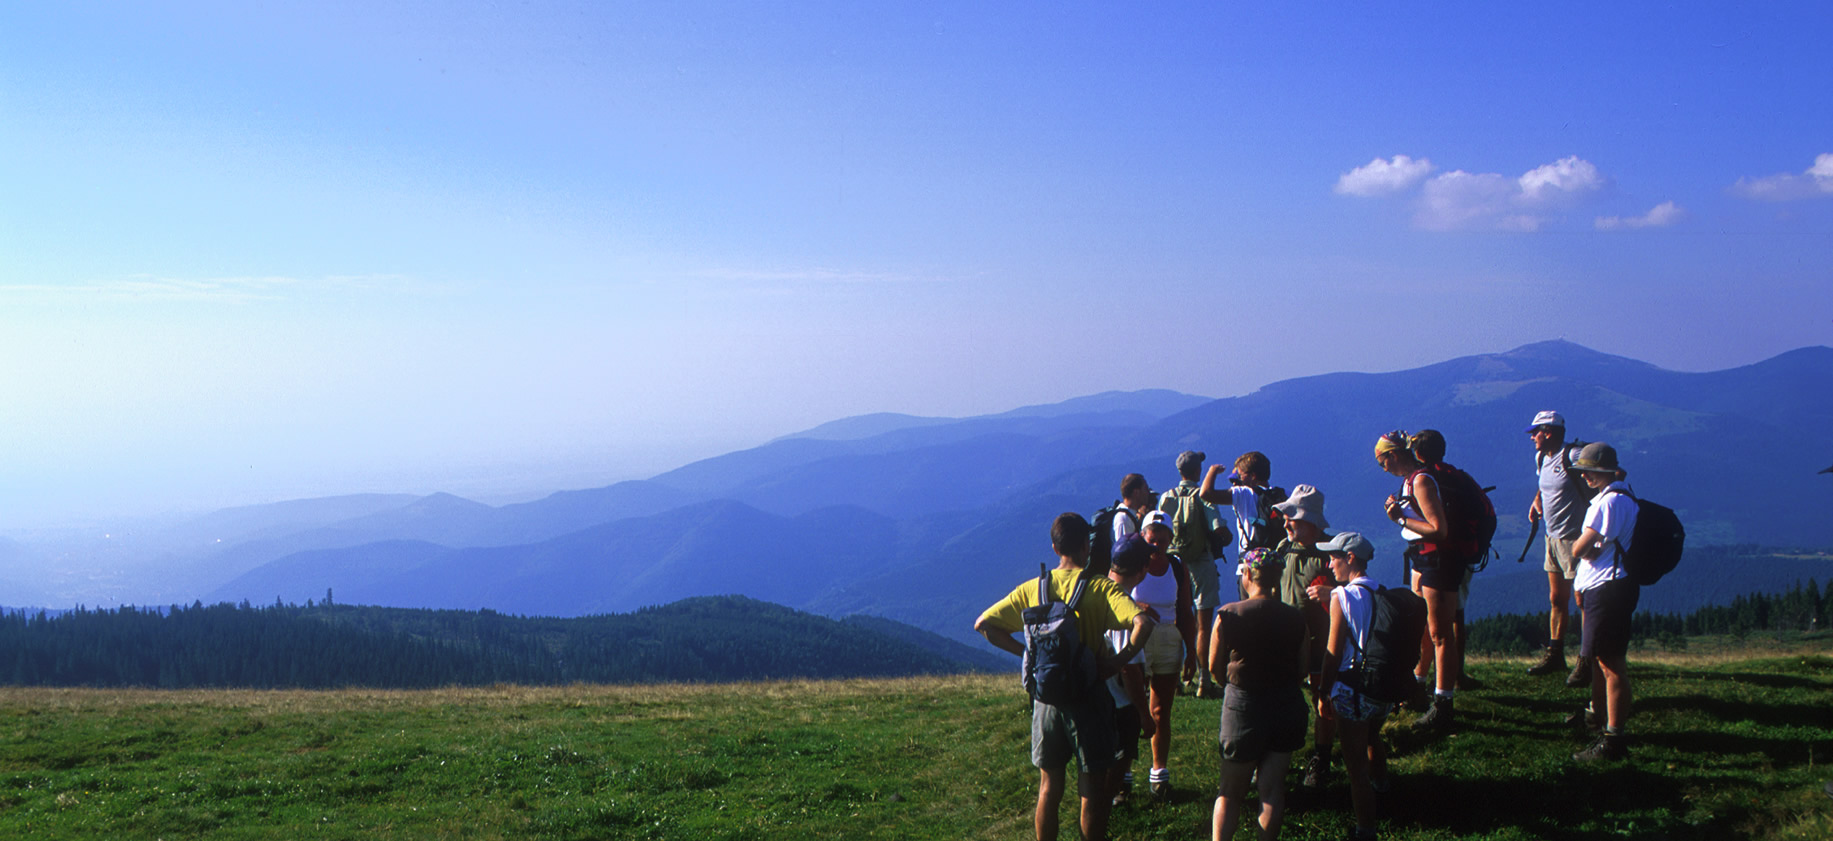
pixel 1085 731
pixel 1255 724
pixel 1559 557
pixel 1204 581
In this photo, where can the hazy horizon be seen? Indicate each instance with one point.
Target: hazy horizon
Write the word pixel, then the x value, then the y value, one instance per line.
pixel 253 253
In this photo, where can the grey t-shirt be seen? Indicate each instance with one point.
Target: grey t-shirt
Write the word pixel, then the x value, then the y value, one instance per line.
pixel 1563 495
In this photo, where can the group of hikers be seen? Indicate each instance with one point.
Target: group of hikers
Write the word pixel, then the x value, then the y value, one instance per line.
pixel 1135 613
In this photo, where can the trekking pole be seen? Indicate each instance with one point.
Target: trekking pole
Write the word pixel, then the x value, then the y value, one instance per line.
pixel 1533 530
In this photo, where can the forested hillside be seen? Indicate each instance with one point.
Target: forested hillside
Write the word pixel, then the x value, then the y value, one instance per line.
pixel 710 639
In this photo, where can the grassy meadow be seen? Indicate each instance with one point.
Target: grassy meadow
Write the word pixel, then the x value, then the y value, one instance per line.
pixel 1732 740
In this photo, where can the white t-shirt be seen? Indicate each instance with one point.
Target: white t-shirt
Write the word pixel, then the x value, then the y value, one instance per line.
pixel 1125 523
pixel 1357 604
pixel 1245 499
pixel 1613 516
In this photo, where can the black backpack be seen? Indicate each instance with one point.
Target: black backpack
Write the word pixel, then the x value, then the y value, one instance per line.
pixel 1655 545
pixel 1384 666
pixel 1471 516
pixel 1101 538
pixel 1267 528
pixel 1058 668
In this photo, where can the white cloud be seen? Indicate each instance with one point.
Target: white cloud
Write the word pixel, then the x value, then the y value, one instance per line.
pixel 1560 181
pixel 1815 182
pixel 1384 177
pixel 1460 200
pixel 1659 216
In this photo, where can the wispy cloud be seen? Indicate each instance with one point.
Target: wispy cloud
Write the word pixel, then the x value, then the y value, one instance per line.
pixel 1659 216
pixel 151 288
pixel 1384 177
pixel 1814 183
pixel 1461 200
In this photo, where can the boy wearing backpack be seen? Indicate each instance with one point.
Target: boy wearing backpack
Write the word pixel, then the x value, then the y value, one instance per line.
pixel 1081 725
pixel 1608 596
pixel 1358 715
pixel 1199 538
pixel 1119 521
pixel 1257 524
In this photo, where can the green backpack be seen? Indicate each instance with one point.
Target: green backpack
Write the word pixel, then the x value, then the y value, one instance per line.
pixel 1194 528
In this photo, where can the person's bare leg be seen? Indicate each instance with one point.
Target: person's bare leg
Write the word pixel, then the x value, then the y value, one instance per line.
pixel 1272 778
pixel 1095 806
pixel 1049 797
pixel 1227 814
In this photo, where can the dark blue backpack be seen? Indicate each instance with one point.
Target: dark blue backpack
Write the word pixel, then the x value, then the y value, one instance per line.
pixel 1059 668
pixel 1655 545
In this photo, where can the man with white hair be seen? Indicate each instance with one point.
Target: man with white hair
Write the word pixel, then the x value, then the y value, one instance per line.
pixel 1560 499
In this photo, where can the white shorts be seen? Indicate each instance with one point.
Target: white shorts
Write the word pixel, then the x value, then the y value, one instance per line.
pixel 1164 650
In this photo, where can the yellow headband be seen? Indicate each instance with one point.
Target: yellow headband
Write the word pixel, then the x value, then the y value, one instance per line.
pixel 1386 444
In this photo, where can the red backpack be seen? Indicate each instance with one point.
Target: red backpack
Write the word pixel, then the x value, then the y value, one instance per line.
pixel 1471 516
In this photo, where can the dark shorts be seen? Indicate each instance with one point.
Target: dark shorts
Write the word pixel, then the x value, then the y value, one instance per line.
pixel 1607 609
pixel 1126 734
pixel 1084 731
pixel 1436 571
pixel 1256 723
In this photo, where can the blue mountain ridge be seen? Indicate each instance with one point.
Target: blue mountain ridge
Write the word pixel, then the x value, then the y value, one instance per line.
pixel 928 523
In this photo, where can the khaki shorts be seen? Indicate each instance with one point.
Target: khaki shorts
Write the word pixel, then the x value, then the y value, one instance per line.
pixel 1203 581
pixel 1164 650
pixel 1559 557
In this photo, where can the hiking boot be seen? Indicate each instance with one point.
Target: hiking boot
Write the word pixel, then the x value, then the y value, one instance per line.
pixel 1438 718
pixel 1209 690
pixel 1608 747
pixel 1161 791
pixel 1466 683
pixel 1581 674
pixel 1315 769
pixel 1587 718
pixel 1422 693
pixel 1122 796
pixel 1552 661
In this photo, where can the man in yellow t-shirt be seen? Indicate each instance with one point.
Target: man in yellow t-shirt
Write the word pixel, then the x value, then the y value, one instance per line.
pixel 1085 729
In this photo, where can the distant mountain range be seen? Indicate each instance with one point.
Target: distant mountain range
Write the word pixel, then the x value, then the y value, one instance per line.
pixel 928 520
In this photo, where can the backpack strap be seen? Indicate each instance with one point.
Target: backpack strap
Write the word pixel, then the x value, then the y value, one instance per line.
pixel 1075 596
pixel 1618 565
pixel 1044 596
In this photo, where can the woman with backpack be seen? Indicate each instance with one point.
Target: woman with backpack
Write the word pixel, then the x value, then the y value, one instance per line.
pixel 1342 693
pixel 1609 596
pixel 1419 510
pixel 1262 645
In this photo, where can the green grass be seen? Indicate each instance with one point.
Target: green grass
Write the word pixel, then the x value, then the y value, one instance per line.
pixel 1726 747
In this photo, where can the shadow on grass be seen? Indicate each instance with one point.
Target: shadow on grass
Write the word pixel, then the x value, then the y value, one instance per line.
pixel 1720 709
pixel 1582 803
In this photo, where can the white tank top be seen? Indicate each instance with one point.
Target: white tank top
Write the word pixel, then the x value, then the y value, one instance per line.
pixel 1410 509
pixel 1157 590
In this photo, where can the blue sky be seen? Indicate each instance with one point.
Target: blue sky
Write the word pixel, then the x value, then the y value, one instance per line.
pixel 497 249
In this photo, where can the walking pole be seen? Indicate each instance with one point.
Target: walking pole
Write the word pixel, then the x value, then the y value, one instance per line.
pixel 1532 532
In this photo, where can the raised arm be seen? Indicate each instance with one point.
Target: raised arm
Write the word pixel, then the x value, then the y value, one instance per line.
pixel 1210 493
